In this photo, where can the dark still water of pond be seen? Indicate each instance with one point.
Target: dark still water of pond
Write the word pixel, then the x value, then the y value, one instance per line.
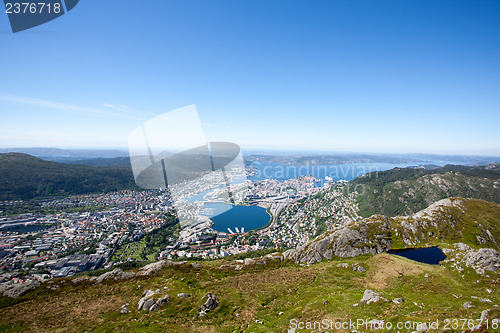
pixel 426 255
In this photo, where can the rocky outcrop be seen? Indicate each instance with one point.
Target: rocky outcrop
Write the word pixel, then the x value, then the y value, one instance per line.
pixel 369 236
pixel 148 302
pixel 119 274
pixel 15 290
pixel 80 279
pixel 211 303
pixel 163 300
pixel 481 260
pixel 156 266
pixel 115 274
pixel 444 220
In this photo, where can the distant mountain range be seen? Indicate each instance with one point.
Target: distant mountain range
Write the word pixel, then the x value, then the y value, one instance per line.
pixel 68 155
pixel 100 157
pixel 26 177
pixel 346 158
pixel 400 191
pixel 405 191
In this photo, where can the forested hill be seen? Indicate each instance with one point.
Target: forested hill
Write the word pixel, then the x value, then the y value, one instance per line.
pixel 405 191
pixel 26 177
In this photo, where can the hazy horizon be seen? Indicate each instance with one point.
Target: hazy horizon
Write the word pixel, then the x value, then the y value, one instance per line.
pixel 253 150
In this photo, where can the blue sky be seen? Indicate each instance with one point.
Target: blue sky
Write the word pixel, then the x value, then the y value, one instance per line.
pixel 365 76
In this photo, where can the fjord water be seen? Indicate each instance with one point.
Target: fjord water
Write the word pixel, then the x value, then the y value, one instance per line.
pixel 347 171
pixel 426 255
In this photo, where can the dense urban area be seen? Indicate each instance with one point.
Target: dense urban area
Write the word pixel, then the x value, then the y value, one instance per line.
pixel 59 237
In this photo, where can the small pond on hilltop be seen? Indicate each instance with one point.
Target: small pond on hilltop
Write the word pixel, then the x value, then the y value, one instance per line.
pixel 426 255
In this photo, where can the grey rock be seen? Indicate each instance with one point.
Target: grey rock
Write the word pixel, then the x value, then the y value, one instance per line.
pixel 148 293
pixel 183 295
pixel 124 310
pixel 141 303
pixel 117 272
pixel 156 266
pixel 274 256
pixel 127 275
pixel 15 290
pixel 398 301
pixel 163 300
pixel 249 261
pixel 154 307
pixel 485 259
pixel 152 268
pixel 148 304
pixel 462 247
pixel 484 315
pixel 211 302
pixel 467 305
pixel 370 296
pixel 80 279
pixel 196 265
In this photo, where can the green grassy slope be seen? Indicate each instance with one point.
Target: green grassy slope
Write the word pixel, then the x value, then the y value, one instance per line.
pixel 406 191
pixel 471 221
pixel 256 299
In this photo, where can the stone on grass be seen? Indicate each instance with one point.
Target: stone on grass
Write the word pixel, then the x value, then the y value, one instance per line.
pixel 370 296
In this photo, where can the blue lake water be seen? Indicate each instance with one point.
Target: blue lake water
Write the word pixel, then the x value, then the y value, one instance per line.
pixel 248 217
pixel 426 255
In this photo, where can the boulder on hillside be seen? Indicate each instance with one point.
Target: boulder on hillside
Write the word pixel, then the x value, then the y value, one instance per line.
pixel 211 303
pixel 148 304
pixel 163 300
pixel 370 296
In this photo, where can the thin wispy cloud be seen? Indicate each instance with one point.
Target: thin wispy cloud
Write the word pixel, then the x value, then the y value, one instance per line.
pixel 121 111
pixel 127 109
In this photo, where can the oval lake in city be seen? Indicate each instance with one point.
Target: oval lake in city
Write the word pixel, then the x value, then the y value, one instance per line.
pixel 248 217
